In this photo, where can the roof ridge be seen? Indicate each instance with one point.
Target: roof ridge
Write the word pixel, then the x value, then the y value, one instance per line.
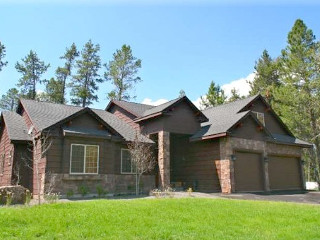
pixel 53 103
pixel 135 103
pixel 229 103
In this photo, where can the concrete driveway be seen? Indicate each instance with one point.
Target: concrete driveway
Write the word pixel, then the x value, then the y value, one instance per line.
pixel 298 197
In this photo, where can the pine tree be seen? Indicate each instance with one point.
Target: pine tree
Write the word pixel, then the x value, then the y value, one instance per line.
pixel 56 89
pixel 2 56
pixel 182 93
pixel 31 69
pixel 122 72
pixel 266 78
pixel 214 97
pixel 9 101
pixel 84 85
pixel 234 95
pixel 54 92
pixel 298 98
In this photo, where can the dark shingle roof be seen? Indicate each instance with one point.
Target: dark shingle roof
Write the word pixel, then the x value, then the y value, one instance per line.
pixel 222 117
pixel 124 129
pixel 136 109
pixel 291 140
pixel 16 126
pixel 44 115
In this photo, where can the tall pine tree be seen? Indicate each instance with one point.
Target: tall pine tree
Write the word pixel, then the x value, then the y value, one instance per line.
pixel 2 56
pixel 9 101
pixel 122 71
pixel 84 85
pixel 298 98
pixel 266 78
pixel 31 69
pixel 214 97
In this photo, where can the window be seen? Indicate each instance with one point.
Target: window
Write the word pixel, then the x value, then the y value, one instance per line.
pixel 84 159
pixel 260 117
pixel 127 166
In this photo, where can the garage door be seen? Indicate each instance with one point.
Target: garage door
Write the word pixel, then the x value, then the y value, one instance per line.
pixel 284 173
pixel 248 172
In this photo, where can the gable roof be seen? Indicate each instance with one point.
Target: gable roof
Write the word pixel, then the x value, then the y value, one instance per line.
pixel 136 109
pixel 45 115
pixel 223 117
pixel 16 126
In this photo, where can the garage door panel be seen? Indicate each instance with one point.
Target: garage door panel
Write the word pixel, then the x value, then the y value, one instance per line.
pixel 248 172
pixel 284 173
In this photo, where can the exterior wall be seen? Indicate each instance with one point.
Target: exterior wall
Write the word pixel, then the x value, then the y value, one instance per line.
pixel 249 129
pixel 26 118
pixel 229 145
pixel 124 115
pixel 85 120
pixel 164 158
pixel 6 157
pixel 193 163
pixel 181 120
pixel 39 169
pixel 271 121
pixel 111 183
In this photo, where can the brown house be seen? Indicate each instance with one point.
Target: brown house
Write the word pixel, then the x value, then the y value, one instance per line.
pixel 237 147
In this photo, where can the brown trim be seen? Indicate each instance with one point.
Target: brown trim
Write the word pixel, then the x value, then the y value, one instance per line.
pixel 127 110
pixel 147 117
pixel 209 137
pixel 290 144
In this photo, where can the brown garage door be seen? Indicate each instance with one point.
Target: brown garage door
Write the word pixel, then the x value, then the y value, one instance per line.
pixel 248 172
pixel 284 173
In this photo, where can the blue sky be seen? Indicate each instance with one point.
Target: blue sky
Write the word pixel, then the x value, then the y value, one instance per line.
pixel 183 45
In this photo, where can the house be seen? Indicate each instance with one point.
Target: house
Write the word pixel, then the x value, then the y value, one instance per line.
pixel 236 147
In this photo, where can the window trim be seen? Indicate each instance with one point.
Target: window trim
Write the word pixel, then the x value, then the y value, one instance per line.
pixel 84 159
pixel 128 173
pixel 256 114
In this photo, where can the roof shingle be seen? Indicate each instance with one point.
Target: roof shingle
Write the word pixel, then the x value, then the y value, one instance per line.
pixel 16 126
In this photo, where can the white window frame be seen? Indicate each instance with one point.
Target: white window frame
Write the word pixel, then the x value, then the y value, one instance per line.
pixel 132 172
pixel 261 114
pixel 84 159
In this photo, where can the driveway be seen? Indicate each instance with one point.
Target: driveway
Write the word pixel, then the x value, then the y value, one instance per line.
pixel 298 197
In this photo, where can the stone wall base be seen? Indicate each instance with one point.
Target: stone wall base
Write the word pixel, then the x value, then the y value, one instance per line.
pixel 66 184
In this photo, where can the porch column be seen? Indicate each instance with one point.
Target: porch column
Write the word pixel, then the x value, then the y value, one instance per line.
pixel 225 173
pixel 164 158
pixel 302 162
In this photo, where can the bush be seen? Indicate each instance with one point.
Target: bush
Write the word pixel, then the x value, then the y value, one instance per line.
pixel 28 197
pixel 51 197
pixel 101 192
pixel 83 190
pixel 167 192
pixel 70 193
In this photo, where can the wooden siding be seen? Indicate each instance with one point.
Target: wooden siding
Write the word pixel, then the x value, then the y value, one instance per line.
pixel 249 129
pixel 85 120
pixel 272 123
pixel 6 157
pixel 26 118
pixel 124 115
pixel 58 156
pixel 181 120
pixel 193 163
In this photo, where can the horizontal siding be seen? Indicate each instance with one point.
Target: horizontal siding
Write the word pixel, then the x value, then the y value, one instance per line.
pixel 6 157
pixel 193 163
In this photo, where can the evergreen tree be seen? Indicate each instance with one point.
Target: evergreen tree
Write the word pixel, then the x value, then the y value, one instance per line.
pixel 54 92
pixel 31 69
pixel 9 101
pixel 122 72
pixel 2 56
pixel 57 88
pixel 234 95
pixel 84 85
pixel 182 93
pixel 298 98
pixel 266 78
pixel 214 97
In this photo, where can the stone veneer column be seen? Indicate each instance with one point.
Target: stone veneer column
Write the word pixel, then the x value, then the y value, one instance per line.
pixel 164 158
pixel 224 174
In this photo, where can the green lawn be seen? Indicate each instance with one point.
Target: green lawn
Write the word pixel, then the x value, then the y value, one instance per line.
pixel 162 219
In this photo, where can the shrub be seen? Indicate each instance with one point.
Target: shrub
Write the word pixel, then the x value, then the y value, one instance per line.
pixel 189 191
pixel 9 198
pixel 83 190
pixel 70 193
pixel 28 197
pixel 51 197
pixel 101 192
pixel 16 194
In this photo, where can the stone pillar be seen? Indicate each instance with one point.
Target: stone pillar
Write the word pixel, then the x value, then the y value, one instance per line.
pixel 224 174
pixel 266 173
pixel 164 158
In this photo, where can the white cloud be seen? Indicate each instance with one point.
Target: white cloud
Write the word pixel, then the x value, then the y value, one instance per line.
pixel 197 102
pixel 241 85
pixel 154 103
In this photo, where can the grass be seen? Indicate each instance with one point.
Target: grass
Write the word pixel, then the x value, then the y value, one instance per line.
pixel 162 219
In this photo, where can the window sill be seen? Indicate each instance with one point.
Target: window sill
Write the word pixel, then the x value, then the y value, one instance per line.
pixel 80 177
